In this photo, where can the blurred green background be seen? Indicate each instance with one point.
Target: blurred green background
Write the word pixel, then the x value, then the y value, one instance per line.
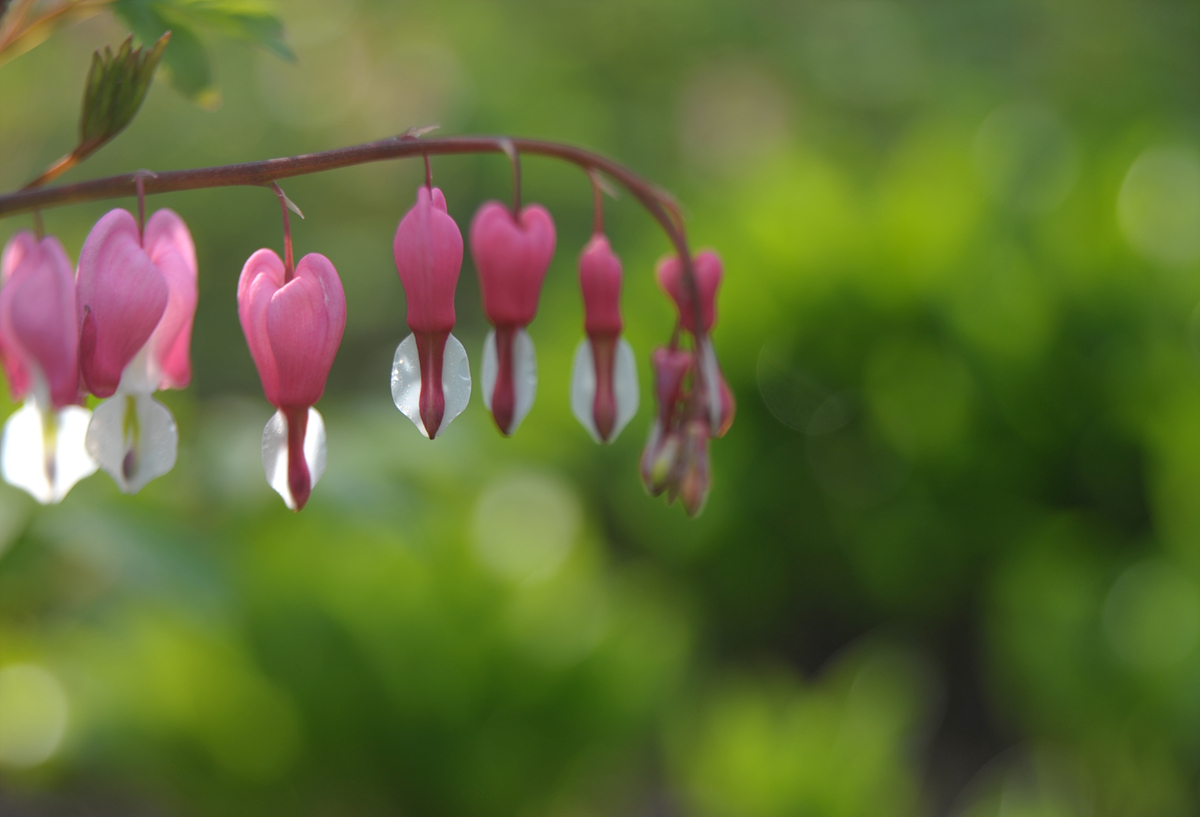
pixel 951 560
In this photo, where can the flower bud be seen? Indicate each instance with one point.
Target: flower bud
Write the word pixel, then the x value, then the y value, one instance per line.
pixel 604 389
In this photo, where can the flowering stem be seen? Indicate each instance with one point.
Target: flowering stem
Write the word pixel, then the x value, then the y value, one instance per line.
pixel 289 260
pixel 658 203
pixel 597 203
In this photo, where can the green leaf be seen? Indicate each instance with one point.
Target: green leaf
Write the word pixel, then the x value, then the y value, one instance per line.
pixel 114 90
pixel 186 63
pixel 245 20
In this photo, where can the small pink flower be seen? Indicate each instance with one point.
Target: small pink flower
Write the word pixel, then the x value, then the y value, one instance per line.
pixel 671 368
pixel 708 272
pixel 431 381
pixel 137 297
pixel 511 257
pixel 122 296
pixel 293 329
pixel 43 449
pixel 604 390
pixel 39 336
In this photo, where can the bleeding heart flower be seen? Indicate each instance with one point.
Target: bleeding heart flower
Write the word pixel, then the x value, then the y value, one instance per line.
pixel 604 387
pixel 707 272
pixel 137 296
pixel 293 328
pixel 431 380
pixel 43 448
pixel 511 256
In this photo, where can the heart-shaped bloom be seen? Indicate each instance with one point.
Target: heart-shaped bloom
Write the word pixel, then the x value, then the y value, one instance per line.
pixel 431 380
pixel 43 448
pixel 511 257
pixel 707 272
pixel 293 328
pixel 137 297
pixel 604 388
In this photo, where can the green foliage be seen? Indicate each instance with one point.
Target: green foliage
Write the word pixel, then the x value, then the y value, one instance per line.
pixel 188 62
pixel 114 90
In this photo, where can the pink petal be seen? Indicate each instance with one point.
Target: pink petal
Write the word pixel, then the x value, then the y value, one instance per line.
pixel 38 332
pixel 511 258
pixel 261 278
pixel 169 245
pixel 429 250
pixel 708 272
pixel 121 298
pixel 305 321
pixel 16 251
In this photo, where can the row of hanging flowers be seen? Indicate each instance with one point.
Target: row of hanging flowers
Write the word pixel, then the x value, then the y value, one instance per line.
pixel 119 328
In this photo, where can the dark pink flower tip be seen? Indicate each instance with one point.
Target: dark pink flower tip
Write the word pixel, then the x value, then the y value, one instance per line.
pixel 600 281
pixel 39 334
pixel 121 296
pixel 708 272
pixel 294 328
pixel 429 250
pixel 511 257
pixel 169 245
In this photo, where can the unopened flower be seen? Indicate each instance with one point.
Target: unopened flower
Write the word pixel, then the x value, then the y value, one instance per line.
pixel 43 448
pixel 511 256
pixel 137 300
pixel 662 451
pixel 604 387
pixel 293 328
pixel 431 380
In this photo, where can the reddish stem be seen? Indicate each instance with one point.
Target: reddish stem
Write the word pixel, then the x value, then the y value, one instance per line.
pixel 659 204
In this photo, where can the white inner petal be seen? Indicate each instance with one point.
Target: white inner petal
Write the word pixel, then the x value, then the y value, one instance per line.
pixel 72 457
pixel 711 372
pixel 524 374
pixel 406 381
pixel 23 460
pixel 275 452
pixel 134 439
pixel 625 386
pixel 583 388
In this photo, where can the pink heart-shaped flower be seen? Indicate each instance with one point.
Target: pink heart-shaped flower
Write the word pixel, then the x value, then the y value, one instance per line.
pixel 511 257
pixel 121 296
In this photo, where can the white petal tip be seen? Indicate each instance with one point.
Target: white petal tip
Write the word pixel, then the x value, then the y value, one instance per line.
pixel 406 383
pixel 275 453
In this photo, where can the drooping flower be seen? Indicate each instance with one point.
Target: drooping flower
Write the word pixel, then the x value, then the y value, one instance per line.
pixel 431 380
pixel 511 256
pixel 43 448
pixel 604 387
pixel 137 297
pixel 707 273
pixel 293 328
pixel 671 368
